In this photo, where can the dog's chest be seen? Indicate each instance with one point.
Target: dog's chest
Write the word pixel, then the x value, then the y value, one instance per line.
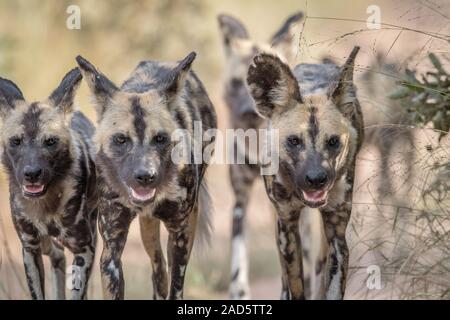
pixel 49 217
pixel 46 223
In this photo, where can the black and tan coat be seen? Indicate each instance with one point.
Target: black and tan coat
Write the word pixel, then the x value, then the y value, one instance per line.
pixel 135 149
pixel 46 154
pixel 315 113
pixel 239 51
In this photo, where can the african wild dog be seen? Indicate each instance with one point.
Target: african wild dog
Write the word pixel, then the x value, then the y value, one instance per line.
pixel 46 153
pixel 318 118
pixel 239 51
pixel 137 176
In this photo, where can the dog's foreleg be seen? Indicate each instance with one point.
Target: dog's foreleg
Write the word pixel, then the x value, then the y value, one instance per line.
pixel 290 251
pixel 285 294
pixel 81 270
pixel 55 252
pixel 239 286
pixel 242 178
pixel 335 222
pixel 114 223
pixel 181 241
pixel 34 270
pixel 150 234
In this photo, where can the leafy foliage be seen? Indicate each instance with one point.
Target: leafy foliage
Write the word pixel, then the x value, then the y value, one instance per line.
pixel 426 98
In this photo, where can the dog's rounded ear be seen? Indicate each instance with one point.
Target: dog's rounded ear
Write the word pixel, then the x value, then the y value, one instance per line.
pixel 285 33
pixel 101 87
pixel 343 91
pixel 231 28
pixel 285 41
pixel 9 95
pixel 272 85
pixel 64 95
pixel 174 83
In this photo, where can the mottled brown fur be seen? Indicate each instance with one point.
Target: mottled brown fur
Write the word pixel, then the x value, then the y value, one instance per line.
pixel 134 152
pixel 320 128
pixel 239 51
pixel 49 140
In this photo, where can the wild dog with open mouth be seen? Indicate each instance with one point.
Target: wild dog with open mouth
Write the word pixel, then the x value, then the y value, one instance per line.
pixel 46 153
pixel 239 51
pixel 137 174
pixel 318 118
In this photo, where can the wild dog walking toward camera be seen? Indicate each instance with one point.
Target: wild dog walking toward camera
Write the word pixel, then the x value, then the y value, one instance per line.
pixel 239 51
pixel 137 175
pixel 46 153
pixel 317 115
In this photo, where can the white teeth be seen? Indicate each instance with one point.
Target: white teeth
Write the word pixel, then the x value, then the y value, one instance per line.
pixel 143 196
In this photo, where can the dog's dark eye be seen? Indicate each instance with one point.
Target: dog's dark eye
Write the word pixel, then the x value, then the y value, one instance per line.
pixel 120 139
pixel 160 138
pixel 50 142
pixel 333 142
pixel 15 141
pixel 295 141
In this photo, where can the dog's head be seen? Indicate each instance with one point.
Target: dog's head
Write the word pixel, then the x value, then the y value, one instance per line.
pixel 36 140
pixel 239 51
pixel 133 140
pixel 315 131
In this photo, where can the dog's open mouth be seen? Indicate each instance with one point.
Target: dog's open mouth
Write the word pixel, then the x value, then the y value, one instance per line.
pixel 33 190
pixel 142 195
pixel 315 199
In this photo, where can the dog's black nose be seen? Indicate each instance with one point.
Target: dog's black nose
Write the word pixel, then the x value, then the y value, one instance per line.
pixel 316 179
pixel 144 177
pixel 32 173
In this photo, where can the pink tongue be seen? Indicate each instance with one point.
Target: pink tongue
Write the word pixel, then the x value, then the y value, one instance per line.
pixel 314 196
pixel 143 194
pixel 34 188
